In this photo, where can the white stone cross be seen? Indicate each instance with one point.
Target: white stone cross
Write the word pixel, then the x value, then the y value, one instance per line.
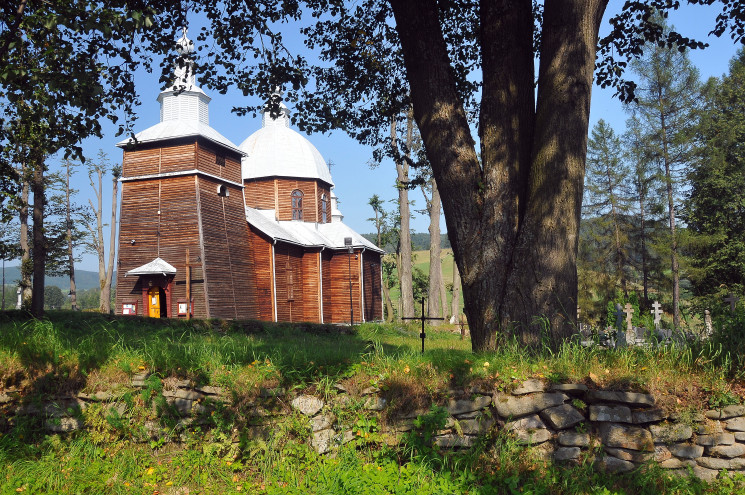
pixel 19 303
pixel 732 300
pixel 657 312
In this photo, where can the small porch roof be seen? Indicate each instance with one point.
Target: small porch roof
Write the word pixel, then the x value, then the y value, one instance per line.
pixel 156 267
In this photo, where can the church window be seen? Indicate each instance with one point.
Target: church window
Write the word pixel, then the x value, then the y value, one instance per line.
pixel 324 205
pixel 222 190
pixel 297 204
pixel 220 160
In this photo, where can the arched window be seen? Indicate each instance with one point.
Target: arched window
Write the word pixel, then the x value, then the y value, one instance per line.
pixel 324 205
pixel 297 204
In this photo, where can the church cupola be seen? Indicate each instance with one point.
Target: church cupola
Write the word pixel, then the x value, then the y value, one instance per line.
pixel 184 100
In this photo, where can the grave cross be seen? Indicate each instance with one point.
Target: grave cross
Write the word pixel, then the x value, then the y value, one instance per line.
pixel 732 300
pixel 422 318
pixel 657 312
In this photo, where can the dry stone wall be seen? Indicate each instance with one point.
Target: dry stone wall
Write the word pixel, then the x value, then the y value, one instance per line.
pixel 618 430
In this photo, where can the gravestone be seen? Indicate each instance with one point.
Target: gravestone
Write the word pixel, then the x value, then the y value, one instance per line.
pixel 630 334
pixel 657 312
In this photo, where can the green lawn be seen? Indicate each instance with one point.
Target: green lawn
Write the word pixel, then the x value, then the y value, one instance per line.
pixel 72 352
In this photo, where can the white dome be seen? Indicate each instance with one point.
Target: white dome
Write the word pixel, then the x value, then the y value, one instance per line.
pixel 277 150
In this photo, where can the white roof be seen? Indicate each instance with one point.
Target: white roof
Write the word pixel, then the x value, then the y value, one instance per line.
pixel 307 234
pixel 171 129
pixel 275 150
pixel 156 267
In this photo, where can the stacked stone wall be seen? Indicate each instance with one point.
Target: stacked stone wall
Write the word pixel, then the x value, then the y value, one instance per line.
pixel 618 430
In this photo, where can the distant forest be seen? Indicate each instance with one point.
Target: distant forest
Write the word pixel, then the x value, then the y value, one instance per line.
pixel 420 242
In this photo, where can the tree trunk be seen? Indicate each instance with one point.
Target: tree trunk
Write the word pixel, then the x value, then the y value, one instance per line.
pixel 674 267
pixel 514 223
pixel 26 268
pixel 455 303
pixel 106 289
pixel 388 302
pixel 435 308
pixel 68 234
pixel 617 234
pixel 645 269
pixel 404 255
pixel 39 246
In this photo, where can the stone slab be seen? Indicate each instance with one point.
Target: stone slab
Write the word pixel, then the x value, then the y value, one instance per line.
pixel 612 464
pixel 736 424
pixel 307 404
pixel 734 450
pixel 671 433
pixel 532 437
pixel 717 463
pixel 452 441
pixel 575 389
pixel 647 416
pixel 573 439
pixel 675 463
pixel 726 412
pixel 531 422
pixel 456 407
pixel 626 437
pixel 562 417
pixel 629 455
pixel 610 414
pixel 529 387
pixel 686 450
pixel 715 439
pixel 566 454
pixel 633 399
pixel 508 406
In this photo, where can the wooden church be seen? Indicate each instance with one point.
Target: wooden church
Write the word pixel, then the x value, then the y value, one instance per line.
pixel 212 230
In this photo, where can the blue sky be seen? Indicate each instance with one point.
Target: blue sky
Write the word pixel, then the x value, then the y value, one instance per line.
pixel 355 180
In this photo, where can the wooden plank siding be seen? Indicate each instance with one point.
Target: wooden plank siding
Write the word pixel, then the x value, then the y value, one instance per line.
pixel 179 229
pixel 285 187
pixel 207 162
pixel 177 158
pixel 260 194
pixel 340 275
pixel 328 315
pixel 229 271
pixel 324 189
pixel 288 269
pixel 372 301
pixel 311 286
pixel 261 255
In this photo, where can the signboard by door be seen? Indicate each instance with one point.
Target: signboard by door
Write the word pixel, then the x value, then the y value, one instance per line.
pixel 153 300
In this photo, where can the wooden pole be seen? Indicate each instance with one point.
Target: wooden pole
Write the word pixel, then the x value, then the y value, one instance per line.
pixel 188 286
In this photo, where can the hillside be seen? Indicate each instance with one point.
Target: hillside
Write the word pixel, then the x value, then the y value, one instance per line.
pixel 419 241
pixel 84 279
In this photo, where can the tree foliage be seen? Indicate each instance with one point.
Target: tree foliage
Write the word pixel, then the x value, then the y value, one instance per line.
pixel 715 206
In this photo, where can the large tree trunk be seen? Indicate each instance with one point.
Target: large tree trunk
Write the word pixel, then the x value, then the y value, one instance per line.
pixel 39 247
pixel 404 254
pixel 68 234
pixel 514 223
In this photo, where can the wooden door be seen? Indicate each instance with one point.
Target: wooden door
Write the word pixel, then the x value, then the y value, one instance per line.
pixel 153 302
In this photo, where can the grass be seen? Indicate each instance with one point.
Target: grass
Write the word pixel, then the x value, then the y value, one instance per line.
pixel 71 352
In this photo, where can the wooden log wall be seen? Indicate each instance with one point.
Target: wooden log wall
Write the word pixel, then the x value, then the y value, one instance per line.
pixel 260 247
pixel 178 224
pixel 219 162
pixel 231 288
pixel 372 302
